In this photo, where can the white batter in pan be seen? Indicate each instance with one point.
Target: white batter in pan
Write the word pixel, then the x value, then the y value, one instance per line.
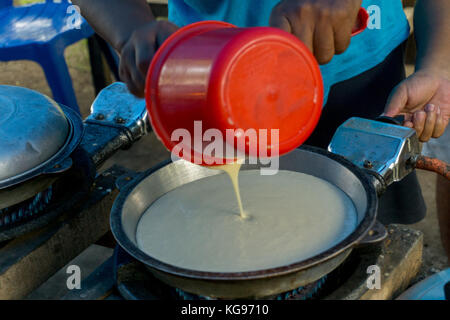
pixel 290 217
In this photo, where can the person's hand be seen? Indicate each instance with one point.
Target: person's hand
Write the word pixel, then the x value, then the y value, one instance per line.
pixel 424 100
pixel 324 26
pixel 138 51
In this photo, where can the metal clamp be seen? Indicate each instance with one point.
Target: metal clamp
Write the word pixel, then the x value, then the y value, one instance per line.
pixel 387 149
pixel 115 106
pixel 117 120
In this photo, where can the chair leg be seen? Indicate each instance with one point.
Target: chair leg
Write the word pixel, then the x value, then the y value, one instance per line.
pixel 100 71
pixel 58 77
pixel 111 56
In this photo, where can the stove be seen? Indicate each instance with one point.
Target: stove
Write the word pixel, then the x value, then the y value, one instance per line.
pixel 398 259
pixel 63 194
pixel 54 199
pixel 41 234
pixel 134 282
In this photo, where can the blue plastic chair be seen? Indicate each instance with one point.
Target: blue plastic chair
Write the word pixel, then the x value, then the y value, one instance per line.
pixel 41 32
pixel 5 3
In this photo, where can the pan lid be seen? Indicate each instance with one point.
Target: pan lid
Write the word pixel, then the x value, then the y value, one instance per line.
pixel 33 128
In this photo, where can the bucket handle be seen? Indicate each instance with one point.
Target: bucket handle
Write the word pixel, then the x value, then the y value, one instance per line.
pixel 361 22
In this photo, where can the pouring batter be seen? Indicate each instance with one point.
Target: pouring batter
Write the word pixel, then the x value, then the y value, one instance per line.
pixel 232 170
pixel 292 216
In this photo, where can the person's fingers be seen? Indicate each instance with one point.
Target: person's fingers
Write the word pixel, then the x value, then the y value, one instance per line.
pixel 129 72
pixel 279 20
pixel 298 21
pixel 124 68
pixel 305 33
pixel 302 22
pixel 419 122
pixel 324 41
pixel 138 52
pixel 145 48
pixel 430 123
pixel 144 55
pixel 138 81
pixel 396 100
pixel 411 95
pixel 408 117
pixel 408 120
pixel 342 38
pixel 408 124
pixel 165 30
pixel 440 125
pixel 342 33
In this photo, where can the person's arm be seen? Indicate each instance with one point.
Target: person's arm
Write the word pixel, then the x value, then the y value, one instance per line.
pixel 115 20
pixel 130 27
pixel 432 31
pixel 424 98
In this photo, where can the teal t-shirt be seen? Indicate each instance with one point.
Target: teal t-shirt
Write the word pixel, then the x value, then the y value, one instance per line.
pixel 388 28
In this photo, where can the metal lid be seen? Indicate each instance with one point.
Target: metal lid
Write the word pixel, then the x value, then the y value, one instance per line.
pixel 33 128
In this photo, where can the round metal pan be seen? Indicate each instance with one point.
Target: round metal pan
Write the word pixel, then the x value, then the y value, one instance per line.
pixel 27 184
pixel 136 196
pixel 61 160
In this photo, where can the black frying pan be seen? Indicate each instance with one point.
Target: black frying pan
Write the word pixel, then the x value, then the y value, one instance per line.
pixel 137 195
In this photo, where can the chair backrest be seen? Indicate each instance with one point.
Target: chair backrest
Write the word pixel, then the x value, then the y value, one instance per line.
pixel 9 3
pixel 5 3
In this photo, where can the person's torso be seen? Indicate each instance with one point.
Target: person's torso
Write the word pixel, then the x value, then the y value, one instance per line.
pixel 388 28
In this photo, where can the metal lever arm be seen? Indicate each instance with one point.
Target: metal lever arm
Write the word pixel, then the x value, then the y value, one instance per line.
pixel 117 120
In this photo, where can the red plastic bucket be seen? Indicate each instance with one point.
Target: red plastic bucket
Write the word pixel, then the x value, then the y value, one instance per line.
pixel 227 78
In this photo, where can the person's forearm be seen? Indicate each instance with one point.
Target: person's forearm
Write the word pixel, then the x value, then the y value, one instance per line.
pixel 115 20
pixel 432 31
